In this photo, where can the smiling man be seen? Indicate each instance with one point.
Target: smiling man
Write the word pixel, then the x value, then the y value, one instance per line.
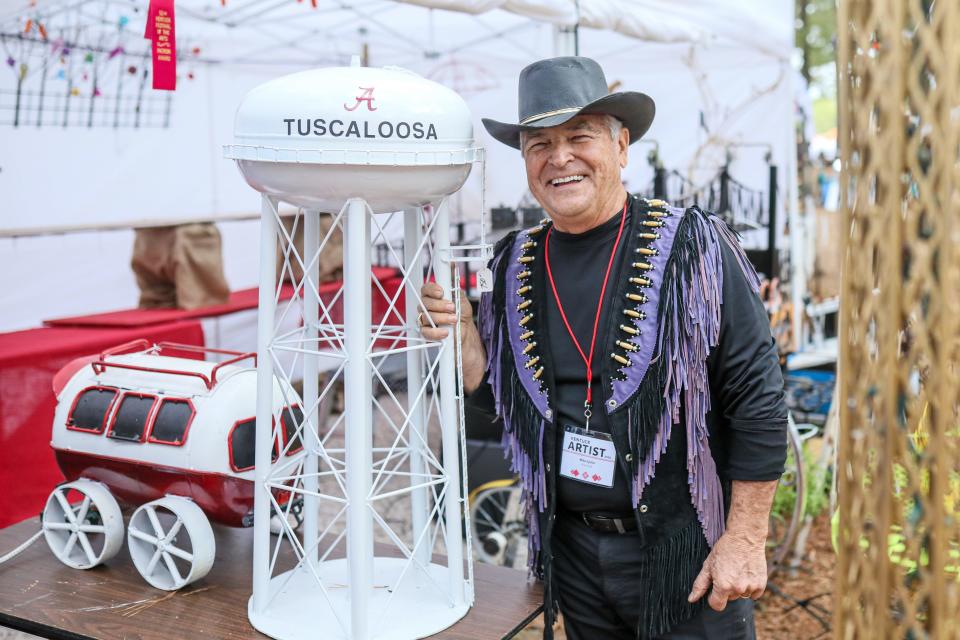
pixel 630 358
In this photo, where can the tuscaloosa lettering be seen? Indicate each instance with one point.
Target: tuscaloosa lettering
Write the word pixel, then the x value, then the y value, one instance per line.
pixel 337 128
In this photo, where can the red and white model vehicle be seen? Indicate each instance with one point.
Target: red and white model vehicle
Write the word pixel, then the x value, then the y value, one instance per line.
pixel 170 435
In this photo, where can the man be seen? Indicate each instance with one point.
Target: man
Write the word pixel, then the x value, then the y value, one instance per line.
pixel 631 361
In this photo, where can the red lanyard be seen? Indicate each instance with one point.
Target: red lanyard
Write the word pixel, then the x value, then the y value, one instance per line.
pixel 587 360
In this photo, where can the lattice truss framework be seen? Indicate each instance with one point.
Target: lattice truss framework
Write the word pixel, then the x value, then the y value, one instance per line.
pixel 898 574
pixel 406 415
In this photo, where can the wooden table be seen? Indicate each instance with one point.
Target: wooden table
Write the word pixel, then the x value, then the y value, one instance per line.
pixel 41 596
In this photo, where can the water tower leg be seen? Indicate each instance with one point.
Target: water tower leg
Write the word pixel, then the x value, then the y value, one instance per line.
pixel 265 320
pixel 412 236
pixel 359 413
pixel 450 428
pixel 311 375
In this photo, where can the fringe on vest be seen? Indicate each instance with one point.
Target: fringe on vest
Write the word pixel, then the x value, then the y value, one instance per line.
pixel 670 568
pixel 523 427
pixel 688 327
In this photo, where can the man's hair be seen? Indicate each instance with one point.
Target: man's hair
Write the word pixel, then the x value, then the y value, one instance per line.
pixel 613 123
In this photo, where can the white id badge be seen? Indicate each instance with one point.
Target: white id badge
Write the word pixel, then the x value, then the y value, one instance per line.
pixel 588 456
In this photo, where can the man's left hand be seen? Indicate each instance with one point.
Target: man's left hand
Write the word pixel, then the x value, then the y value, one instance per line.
pixel 736 567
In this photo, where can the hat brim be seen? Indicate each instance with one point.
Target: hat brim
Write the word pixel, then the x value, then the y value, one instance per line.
pixel 634 109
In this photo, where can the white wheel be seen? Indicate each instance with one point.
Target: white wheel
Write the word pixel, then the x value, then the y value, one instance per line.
pixel 499 528
pixel 82 524
pixel 171 542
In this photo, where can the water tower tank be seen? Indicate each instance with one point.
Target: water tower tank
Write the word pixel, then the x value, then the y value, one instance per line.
pixel 318 138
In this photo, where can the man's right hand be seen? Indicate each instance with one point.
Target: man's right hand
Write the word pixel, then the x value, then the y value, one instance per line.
pixel 440 316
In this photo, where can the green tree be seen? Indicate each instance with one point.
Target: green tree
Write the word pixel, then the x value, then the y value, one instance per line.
pixel 816 33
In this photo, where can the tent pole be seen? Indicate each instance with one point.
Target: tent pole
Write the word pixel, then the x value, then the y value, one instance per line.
pixel 565 41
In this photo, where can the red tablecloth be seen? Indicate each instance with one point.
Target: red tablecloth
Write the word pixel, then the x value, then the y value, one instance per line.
pixel 239 301
pixel 28 361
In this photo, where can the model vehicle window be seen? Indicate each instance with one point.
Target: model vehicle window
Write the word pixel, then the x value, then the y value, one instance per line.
pixel 131 417
pixel 243 439
pixel 90 409
pixel 292 418
pixel 172 421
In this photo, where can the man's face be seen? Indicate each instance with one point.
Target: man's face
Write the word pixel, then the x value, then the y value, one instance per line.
pixel 574 168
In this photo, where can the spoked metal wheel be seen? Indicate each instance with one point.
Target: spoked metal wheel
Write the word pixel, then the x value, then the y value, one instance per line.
pixel 499 528
pixel 783 527
pixel 171 542
pixel 82 524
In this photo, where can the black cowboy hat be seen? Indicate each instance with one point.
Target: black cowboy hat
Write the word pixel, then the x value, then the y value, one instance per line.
pixel 555 90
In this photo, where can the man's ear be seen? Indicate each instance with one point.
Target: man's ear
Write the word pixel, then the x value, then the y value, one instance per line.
pixel 623 144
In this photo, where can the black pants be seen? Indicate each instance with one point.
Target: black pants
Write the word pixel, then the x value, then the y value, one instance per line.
pixel 599 587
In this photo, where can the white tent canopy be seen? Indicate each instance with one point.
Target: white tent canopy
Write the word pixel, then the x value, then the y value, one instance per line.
pixel 765 27
pixel 718 71
pixel 756 25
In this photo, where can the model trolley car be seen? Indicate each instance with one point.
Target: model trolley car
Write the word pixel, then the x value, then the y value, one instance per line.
pixel 173 437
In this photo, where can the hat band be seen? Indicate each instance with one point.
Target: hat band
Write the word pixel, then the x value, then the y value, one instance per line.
pixel 547 114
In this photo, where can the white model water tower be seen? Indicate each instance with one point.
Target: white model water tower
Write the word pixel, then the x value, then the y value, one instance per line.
pixel 358 143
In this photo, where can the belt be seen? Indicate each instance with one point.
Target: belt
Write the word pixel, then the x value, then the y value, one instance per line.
pixel 609 524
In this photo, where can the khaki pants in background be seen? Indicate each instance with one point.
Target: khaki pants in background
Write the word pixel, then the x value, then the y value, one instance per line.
pixel 330 260
pixel 179 266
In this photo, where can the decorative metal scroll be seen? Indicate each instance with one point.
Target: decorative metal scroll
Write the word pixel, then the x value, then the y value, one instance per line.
pixel 898 574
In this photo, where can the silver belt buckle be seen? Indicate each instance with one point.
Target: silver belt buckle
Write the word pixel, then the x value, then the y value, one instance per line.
pixel 618 523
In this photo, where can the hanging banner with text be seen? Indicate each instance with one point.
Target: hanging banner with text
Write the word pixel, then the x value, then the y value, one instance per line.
pixel 160 29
